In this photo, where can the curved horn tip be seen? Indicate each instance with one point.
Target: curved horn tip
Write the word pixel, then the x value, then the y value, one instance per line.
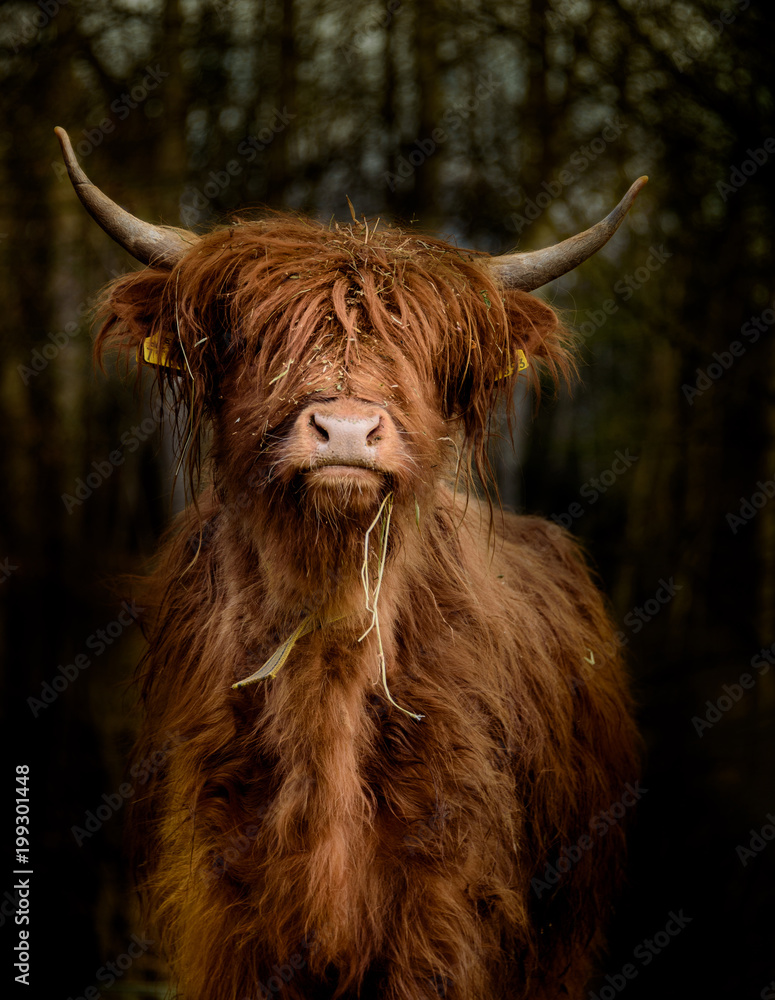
pixel 634 190
pixel 153 245
pixel 64 140
pixel 528 271
pixel 616 216
pixel 74 168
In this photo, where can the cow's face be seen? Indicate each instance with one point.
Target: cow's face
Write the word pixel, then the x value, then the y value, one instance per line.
pixel 335 363
pixel 335 368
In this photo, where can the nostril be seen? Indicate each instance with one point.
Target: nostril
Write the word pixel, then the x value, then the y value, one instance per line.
pixel 316 422
pixel 374 435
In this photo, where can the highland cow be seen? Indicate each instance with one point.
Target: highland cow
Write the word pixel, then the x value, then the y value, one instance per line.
pixel 398 711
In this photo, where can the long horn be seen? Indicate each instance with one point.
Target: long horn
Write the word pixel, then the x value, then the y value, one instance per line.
pixel 531 270
pixel 148 244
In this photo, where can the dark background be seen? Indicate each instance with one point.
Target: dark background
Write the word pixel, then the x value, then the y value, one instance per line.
pixel 548 112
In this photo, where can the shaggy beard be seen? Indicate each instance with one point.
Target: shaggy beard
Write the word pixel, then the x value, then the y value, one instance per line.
pixel 310 530
pixel 343 497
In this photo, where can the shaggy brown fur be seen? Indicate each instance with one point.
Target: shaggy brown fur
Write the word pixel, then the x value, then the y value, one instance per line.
pixel 305 838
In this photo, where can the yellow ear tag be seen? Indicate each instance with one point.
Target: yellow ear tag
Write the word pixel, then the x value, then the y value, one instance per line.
pixel 521 366
pixel 157 353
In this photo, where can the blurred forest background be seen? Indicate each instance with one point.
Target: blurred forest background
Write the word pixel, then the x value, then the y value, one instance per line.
pixel 502 124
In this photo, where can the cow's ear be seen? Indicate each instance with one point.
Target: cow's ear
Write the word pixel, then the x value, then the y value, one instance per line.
pixel 130 309
pixel 141 318
pixel 175 342
pixel 494 335
pixel 535 329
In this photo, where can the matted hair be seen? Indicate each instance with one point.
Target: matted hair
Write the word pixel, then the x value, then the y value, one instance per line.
pixel 301 303
pixel 306 827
